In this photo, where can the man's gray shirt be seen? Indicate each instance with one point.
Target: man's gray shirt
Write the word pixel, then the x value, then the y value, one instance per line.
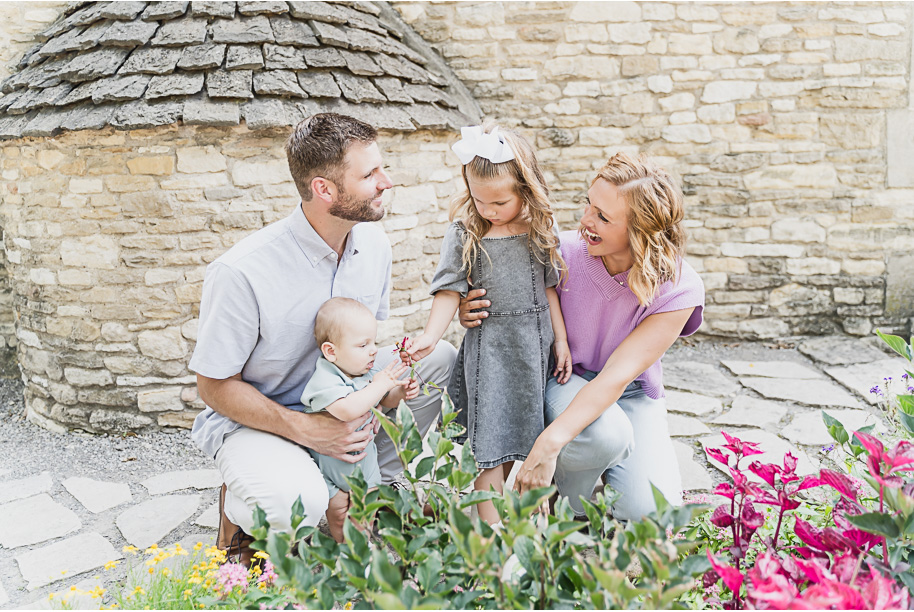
pixel 259 303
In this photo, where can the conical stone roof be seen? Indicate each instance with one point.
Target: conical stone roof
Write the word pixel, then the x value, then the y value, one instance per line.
pixel 143 64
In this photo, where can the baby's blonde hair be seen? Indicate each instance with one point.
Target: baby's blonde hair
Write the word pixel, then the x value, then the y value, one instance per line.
pixel 655 212
pixel 331 318
pixel 530 187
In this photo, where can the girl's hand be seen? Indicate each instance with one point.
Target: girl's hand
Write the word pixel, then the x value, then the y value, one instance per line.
pixel 421 347
pixel 411 390
pixel 562 370
pixel 388 378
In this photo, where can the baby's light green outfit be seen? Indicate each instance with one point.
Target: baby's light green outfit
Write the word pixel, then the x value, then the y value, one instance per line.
pixel 327 385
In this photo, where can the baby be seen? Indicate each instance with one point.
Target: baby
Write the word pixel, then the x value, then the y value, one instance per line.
pixel 346 384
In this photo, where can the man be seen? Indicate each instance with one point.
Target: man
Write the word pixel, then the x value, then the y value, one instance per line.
pixel 256 348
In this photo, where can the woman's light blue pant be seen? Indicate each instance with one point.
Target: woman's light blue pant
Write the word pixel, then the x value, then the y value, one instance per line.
pixel 629 442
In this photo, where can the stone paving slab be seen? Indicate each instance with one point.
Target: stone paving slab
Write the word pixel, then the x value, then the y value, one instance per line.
pixel 96 495
pixel 80 599
pixel 694 476
pixel 770 369
pixel 862 377
pixel 698 377
pixel 839 350
pixel 4 598
pixel 149 522
pixel 209 517
pixel 774 448
pixel 809 428
pixel 183 479
pixel 683 426
pixel 749 411
pixel 692 403
pixel 73 556
pixel 809 392
pixel 25 487
pixel 33 520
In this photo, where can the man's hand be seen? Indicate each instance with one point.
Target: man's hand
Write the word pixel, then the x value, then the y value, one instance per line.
pixel 332 437
pixel 471 302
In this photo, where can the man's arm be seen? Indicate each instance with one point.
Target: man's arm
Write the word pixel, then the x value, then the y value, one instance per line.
pixel 321 432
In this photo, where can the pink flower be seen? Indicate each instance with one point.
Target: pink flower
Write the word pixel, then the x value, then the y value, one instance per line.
pixel 268 577
pixel 232 575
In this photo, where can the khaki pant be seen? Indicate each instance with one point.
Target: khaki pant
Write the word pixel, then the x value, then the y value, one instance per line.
pixel 262 469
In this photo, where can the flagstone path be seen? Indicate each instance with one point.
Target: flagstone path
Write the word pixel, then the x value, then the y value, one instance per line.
pixel 60 524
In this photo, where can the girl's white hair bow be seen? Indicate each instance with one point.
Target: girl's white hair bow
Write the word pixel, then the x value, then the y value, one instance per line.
pixel 475 143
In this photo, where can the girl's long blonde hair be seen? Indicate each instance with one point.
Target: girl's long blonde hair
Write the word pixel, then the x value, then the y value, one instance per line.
pixel 530 187
pixel 655 212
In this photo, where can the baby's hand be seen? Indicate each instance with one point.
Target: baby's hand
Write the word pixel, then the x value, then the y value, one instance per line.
pixel 388 377
pixel 562 361
pixel 421 347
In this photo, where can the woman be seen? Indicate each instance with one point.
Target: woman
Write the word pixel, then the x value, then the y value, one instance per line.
pixel 628 296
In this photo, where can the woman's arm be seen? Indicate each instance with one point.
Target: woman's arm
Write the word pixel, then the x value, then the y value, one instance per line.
pixel 560 347
pixel 646 344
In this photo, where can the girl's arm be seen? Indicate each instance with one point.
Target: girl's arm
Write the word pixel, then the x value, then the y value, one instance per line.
pixel 443 308
pixel 561 349
pixel 646 344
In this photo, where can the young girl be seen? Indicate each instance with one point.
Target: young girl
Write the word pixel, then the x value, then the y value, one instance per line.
pixel 502 240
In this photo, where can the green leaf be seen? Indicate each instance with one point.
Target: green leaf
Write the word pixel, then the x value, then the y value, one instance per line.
pixel 875 522
pixel 384 572
pixel 907 421
pixel 298 513
pixel 909 525
pixel 424 467
pixel 660 501
pixel 835 428
pixel 896 344
pixel 906 403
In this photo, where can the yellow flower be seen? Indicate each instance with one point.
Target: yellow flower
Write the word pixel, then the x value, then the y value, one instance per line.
pixel 348 606
pixel 73 588
pixel 51 596
pixel 130 549
pixel 198 545
pixel 152 549
pixel 188 592
pixel 166 571
pixel 139 591
pixel 111 565
pixel 261 555
pixel 313 592
pixel 151 571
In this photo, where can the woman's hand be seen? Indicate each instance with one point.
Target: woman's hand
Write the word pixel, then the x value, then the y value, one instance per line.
pixel 562 370
pixel 538 469
pixel 468 318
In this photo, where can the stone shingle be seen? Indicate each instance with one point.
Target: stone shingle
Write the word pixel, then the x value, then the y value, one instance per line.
pixel 11 125
pixel 320 11
pixel 319 84
pixel 360 63
pixel 288 31
pixel 361 5
pixel 122 10
pixel 91 35
pixel 179 84
pixel 229 84
pixel 46 123
pixel 261 114
pixel 180 32
pixel 398 47
pixel 244 57
pixel 330 34
pixel 10 98
pixel 201 57
pixel 40 98
pixel 67 41
pixel 90 13
pixel 424 93
pixel 278 83
pixel 82 92
pixel 207 112
pixel 402 68
pixel 164 10
pixel 426 116
pixel 243 30
pixel 392 89
pixel 87 117
pixel 262 7
pixel 215 8
pixel 142 114
pixel 94 64
pixel 381 116
pixel 281 56
pixel 120 88
pixel 129 33
pixel 357 89
pixel 325 57
pixel 362 20
pixel 152 60
pixel 359 40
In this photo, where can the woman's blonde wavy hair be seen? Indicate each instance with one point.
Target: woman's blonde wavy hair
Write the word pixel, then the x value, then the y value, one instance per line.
pixel 530 187
pixel 655 212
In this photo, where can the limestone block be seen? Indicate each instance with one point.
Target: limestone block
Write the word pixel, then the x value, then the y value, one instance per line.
pixel 690 44
pixel 249 174
pixel 900 148
pixel 74 278
pixel 81 377
pixel 728 91
pixel 851 130
pixel 760 329
pixel 164 344
pixel 116 332
pixel 856 48
pixel 183 419
pixel 160 400
pixel 159 165
pixel 591 32
pixel 195 160
pixel 606 11
pixel 86 185
pixel 813 265
pixel 792 176
pixel 480 14
pixel 899 290
pixel 414 199
pixel 600 136
pixel 796 230
pixel 635 33
pixel 732 40
pixel 687 133
pixel 735 249
pixel 160 276
pixel 677 102
pixel 660 83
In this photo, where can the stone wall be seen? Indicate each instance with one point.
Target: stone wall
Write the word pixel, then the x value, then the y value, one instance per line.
pixel 775 116
pixel 108 234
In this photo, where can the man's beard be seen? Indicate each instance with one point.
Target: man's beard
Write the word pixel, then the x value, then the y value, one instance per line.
pixel 348 208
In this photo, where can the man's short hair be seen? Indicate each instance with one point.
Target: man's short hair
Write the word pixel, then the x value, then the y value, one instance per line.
pixel 318 146
pixel 332 317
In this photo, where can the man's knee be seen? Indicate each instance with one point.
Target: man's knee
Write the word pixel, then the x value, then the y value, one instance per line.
pixel 439 362
pixel 314 501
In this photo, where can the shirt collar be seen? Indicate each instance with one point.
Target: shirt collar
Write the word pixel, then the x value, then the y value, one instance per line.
pixel 310 242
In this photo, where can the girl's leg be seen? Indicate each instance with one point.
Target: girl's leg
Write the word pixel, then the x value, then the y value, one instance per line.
pixel 653 460
pixel 493 478
pixel 606 441
pixel 337 511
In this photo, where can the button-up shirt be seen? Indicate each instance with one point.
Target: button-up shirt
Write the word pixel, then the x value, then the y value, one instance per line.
pixel 260 300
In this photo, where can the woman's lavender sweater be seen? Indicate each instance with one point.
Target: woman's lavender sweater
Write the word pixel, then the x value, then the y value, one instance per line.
pixel 600 313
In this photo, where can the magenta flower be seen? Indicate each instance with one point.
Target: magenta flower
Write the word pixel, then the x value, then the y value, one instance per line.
pixel 232 575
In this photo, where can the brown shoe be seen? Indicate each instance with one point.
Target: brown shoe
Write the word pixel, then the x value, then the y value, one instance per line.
pixel 235 542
